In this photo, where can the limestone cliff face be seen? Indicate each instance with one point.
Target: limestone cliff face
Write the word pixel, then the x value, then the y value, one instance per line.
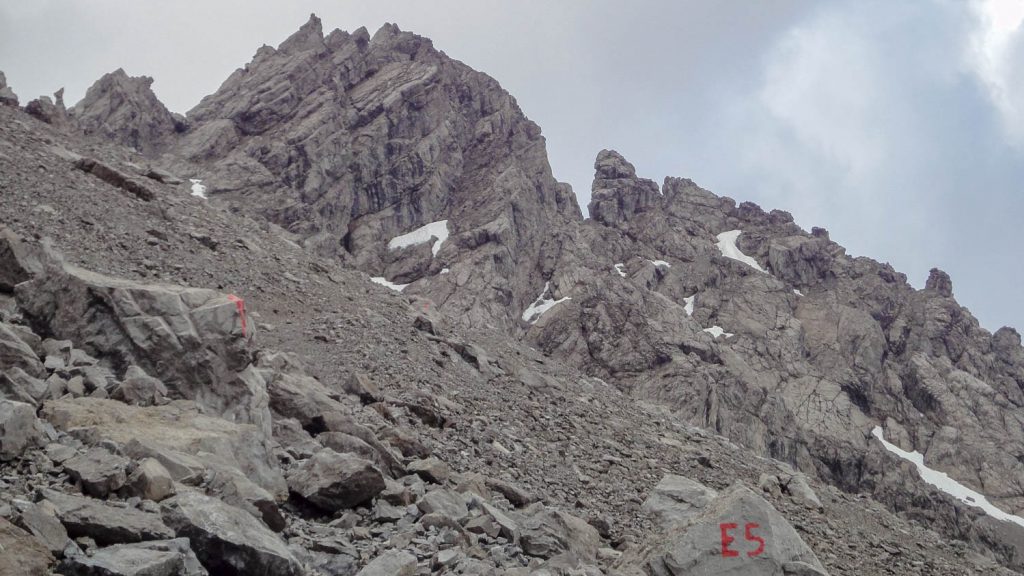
pixel 823 346
pixel 350 140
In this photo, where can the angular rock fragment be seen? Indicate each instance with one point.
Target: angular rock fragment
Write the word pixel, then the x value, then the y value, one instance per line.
pixel 103 522
pixel 98 471
pixel 334 481
pixel 20 430
pixel 21 554
pixel 228 540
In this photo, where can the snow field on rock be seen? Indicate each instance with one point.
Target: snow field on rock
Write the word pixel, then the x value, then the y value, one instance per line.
pixel 943 482
pixel 434 231
pixel 727 245
pixel 541 305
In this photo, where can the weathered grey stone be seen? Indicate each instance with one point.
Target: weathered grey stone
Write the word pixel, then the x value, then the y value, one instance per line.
pixel 156 558
pixel 20 430
pixel 177 435
pixel 548 532
pixel 98 471
pixel 431 469
pixel 444 502
pixel 22 554
pixel 335 481
pixel 685 548
pixel 7 95
pixel 235 489
pixel 125 110
pixel 16 385
pixel 676 499
pixel 360 386
pixel 15 353
pixel 390 563
pixel 228 540
pixel 140 389
pixel 41 521
pixel 150 480
pixel 104 523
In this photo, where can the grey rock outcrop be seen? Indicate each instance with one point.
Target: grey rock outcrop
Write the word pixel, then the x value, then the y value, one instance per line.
pixel 124 109
pixel 7 95
pixel 228 540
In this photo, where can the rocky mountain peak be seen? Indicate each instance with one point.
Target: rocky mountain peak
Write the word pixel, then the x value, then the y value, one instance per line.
pixel 617 193
pixel 310 36
pixel 939 282
pixel 124 109
pixel 7 95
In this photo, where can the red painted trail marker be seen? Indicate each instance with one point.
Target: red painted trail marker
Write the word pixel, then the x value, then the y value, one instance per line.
pixel 240 304
pixel 749 536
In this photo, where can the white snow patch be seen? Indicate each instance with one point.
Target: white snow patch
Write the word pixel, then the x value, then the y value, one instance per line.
pixel 540 306
pixel 198 189
pixel 798 293
pixel 621 269
pixel 384 282
pixel 689 304
pixel 727 245
pixel 717 331
pixel 435 230
pixel 943 482
pixel 660 263
pixel 444 270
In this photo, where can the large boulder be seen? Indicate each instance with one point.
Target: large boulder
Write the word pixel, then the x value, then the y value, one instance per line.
pixel 20 553
pixel 548 532
pixel 738 533
pixel 391 563
pixel 193 340
pixel 98 471
pixel 103 522
pixel 20 430
pixel 156 558
pixel 334 481
pixel 184 441
pixel 228 540
pixel 676 499
pixel 16 353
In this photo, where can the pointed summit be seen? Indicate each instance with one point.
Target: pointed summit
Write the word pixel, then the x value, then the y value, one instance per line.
pixel 125 109
pixel 617 192
pixel 310 36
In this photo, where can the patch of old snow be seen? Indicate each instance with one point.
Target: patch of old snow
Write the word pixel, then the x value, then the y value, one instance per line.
pixel 541 305
pixel 198 189
pixel 621 269
pixel 661 264
pixel 444 270
pixel 727 246
pixel 689 304
pixel 798 293
pixel 385 283
pixel 943 482
pixel 434 231
pixel 717 331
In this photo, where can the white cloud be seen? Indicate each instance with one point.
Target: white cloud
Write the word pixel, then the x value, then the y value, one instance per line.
pixel 994 54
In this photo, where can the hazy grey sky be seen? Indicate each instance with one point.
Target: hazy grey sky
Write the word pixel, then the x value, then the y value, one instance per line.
pixel 899 126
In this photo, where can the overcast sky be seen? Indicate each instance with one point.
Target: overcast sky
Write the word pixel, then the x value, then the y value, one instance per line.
pixel 899 126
